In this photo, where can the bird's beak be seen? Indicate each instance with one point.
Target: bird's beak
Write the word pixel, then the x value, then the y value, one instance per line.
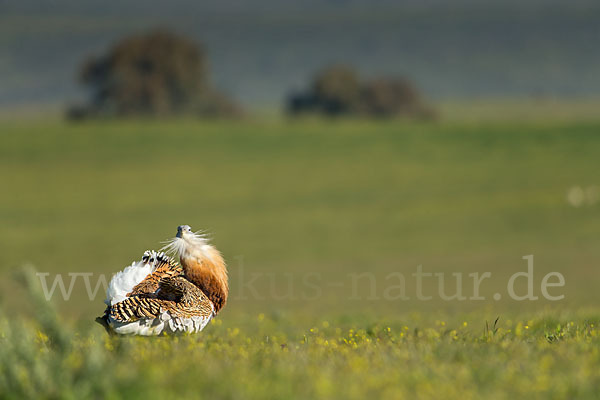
pixel 179 232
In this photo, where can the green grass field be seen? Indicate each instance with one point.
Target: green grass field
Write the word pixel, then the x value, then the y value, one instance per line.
pixel 299 208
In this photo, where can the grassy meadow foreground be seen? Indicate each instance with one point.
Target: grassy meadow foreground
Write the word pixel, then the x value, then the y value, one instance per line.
pixel 299 208
pixel 548 356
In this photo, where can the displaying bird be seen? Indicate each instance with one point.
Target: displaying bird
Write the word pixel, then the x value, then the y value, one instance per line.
pixel 157 296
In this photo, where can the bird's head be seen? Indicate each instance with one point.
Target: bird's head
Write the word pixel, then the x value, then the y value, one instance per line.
pixel 185 242
pixel 183 230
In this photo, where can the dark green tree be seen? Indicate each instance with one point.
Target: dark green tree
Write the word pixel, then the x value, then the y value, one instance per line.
pixel 338 90
pixel 389 97
pixel 158 73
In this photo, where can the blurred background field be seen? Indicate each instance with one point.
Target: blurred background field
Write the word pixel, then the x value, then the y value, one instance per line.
pixel 332 197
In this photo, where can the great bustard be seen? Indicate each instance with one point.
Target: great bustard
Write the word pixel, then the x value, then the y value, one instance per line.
pixel 157 296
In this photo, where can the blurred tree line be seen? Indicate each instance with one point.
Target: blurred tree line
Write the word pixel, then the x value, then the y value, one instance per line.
pixel 158 73
pixel 337 90
pixel 163 74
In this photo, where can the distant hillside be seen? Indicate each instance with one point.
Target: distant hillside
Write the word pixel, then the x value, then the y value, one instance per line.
pixel 261 50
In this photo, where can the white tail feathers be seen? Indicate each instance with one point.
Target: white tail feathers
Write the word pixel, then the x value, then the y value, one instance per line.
pixel 124 281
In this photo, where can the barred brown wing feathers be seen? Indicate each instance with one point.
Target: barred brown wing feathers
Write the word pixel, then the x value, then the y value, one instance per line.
pixel 137 307
pixel 173 288
pixel 202 308
pixel 165 268
pixel 134 308
pixel 191 302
